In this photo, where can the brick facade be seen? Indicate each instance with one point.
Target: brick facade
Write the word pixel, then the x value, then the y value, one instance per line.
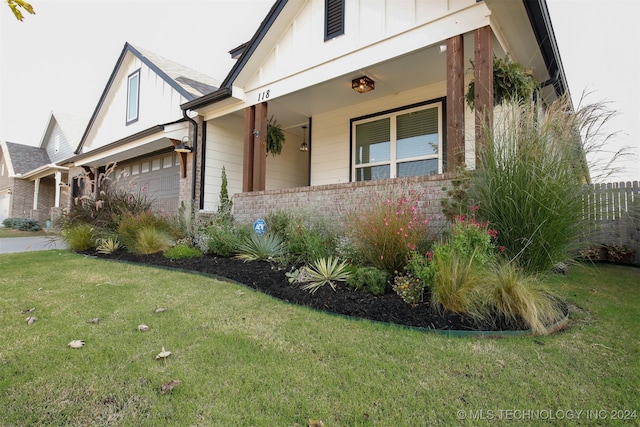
pixel 335 200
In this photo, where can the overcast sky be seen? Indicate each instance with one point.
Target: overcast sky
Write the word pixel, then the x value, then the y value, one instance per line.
pixel 61 58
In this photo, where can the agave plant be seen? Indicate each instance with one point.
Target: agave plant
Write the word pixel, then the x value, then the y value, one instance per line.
pixel 266 247
pixel 325 271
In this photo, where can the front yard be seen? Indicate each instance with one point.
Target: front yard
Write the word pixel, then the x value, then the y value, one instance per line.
pixel 244 358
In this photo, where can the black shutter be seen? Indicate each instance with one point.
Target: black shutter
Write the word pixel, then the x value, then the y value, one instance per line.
pixel 333 18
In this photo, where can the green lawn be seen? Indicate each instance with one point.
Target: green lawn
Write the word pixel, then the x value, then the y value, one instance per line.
pixel 246 359
pixel 10 232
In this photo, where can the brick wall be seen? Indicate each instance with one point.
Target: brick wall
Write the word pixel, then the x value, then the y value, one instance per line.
pixel 336 200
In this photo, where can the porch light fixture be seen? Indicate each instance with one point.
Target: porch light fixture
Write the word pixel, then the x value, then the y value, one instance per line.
pixel 304 146
pixel 363 84
pixel 183 147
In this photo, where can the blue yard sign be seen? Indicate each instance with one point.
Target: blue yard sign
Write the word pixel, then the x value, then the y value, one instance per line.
pixel 260 227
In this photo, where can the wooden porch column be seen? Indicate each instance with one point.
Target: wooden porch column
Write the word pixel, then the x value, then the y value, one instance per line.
pixel 247 157
pixel 455 103
pixel 483 76
pixel 260 148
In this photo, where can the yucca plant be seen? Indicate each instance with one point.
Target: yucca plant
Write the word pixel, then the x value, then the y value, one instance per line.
pixel 325 271
pixel 266 248
pixel 108 245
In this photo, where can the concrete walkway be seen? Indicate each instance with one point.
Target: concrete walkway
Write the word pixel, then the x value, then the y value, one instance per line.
pixel 28 244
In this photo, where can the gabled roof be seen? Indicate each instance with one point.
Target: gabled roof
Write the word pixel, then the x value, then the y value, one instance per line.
pixel 247 50
pixel 25 158
pixel 72 126
pixel 188 83
pixel 537 12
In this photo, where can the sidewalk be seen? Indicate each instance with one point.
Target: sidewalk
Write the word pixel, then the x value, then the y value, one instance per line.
pixel 29 244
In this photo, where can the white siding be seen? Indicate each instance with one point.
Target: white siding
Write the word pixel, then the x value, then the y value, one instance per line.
pixel 225 148
pixel 65 149
pixel 368 23
pixel 158 103
pixel 331 144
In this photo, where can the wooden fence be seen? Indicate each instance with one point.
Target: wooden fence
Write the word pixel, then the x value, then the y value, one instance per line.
pixel 613 211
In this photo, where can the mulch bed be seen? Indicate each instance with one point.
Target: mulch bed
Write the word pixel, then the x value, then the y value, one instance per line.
pixel 270 279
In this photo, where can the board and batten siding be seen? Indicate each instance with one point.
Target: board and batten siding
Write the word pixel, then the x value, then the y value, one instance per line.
pixel 63 149
pixel 225 148
pixel 158 103
pixel 331 132
pixel 368 25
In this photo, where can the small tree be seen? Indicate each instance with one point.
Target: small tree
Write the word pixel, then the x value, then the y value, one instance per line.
pixel 225 206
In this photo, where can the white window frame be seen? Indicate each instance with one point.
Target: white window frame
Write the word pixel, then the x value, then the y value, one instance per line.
pixel 393 162
pixel 133 109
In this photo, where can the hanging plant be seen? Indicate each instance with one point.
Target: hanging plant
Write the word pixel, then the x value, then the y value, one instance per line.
pixel 275 137
pixel 511 82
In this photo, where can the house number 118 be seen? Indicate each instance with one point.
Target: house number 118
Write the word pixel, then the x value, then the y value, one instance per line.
pixel 263 95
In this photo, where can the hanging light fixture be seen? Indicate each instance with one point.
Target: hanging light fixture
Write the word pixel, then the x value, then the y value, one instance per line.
pixel 183 147
pixel 304 146
pixel 363 84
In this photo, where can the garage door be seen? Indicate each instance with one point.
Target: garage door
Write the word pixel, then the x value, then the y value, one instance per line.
pixel 5 200
pixel 157 176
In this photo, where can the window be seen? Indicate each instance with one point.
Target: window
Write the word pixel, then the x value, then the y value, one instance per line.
pixel 155 165
pixel 133 97
pixel 333 18
pixel 398 144
pixel 167 162
pixel 144 167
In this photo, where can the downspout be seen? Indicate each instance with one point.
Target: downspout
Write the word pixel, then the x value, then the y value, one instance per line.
pixel 203 164
pixel 195 157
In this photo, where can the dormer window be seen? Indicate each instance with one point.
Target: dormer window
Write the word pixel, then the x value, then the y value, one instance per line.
pixel 133 96
pixel 333 18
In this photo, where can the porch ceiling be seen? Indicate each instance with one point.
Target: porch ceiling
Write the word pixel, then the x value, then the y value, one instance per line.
pixel 401 74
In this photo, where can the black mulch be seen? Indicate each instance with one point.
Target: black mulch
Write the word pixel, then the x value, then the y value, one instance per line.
pixel 270 279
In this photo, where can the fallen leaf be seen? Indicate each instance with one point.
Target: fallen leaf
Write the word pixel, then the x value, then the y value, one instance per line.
pixel 143 328
pixel 76 344
pixel 95 320
pixel 31 319
pixel 160 309
pixel 315 423
pixel 163 354
pixel 28 311
pixel 169 386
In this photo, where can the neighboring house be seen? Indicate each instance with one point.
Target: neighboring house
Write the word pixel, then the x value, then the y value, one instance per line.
pixel 374 88
pixel 136 125
pixel 31 180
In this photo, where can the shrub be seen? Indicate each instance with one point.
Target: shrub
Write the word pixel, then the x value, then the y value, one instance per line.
pixel 517 295
pixel 369 279
pixel 469 237
pixel 325 271
pixel 409 288
pixel 267 247
pixel 222 239
pixel 149 240
pixel 130 225
pixel 456 282
pixel 528 182
pixel 182 251
pixel 79 237
pixel 306 238
pixel 22 224
pixel 387 230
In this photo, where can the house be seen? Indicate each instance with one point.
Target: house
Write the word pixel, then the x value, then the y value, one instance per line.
pixel 374 89
pixel 137 125
pixel 31 180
